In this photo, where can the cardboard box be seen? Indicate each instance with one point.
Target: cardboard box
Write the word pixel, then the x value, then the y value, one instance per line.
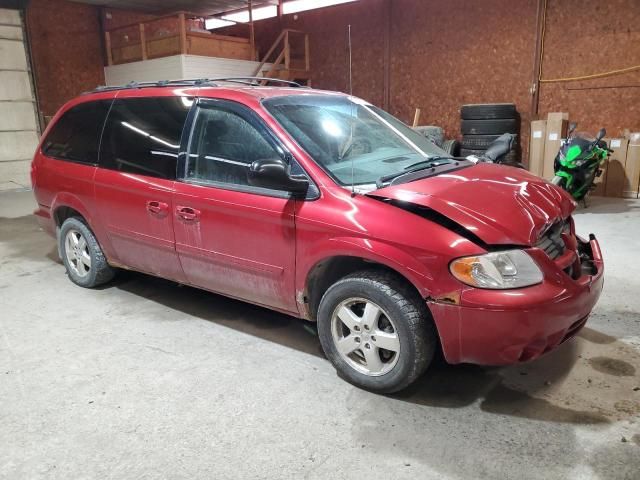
pixel 632 168
pixel 601 181
pixel 536 146
pixel 615 169
pixel 554 116
pixel 556 131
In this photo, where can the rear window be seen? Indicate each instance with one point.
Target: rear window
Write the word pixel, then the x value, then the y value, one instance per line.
pixel 142 135
pixel 76 135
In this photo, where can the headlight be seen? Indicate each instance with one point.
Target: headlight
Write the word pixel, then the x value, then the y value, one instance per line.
pixel 497 270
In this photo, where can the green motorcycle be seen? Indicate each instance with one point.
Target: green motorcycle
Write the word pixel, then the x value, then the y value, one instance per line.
pixel 578 162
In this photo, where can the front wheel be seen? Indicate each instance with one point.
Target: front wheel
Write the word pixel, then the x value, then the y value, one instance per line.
pixel 376 331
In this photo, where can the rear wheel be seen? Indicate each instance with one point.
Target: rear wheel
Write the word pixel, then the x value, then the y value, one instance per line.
pixel 81 254
pixel 376 331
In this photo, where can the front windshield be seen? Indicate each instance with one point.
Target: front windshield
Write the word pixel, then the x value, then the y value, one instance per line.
pixel 356 143
pixel 584 136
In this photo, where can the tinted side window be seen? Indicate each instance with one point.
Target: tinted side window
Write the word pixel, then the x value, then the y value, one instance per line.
pixel 142 135
pixel 76 135
pixel 223 146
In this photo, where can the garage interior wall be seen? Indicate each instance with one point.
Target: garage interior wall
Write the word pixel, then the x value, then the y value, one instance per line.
pixel 66 50
pixel 585 37
pixel 438 55
pixel 445 54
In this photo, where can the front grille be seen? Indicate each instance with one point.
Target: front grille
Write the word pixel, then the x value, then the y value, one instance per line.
pixel 551 241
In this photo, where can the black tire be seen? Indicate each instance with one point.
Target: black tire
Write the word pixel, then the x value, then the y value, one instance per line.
pixel 512 158
pixel 479 142
pixel 489 127
pixel 465 152
pixel 452 147
pixel 433 133
pixel 410 319
pixel 99 272
pixel 561 182
pixel 488 111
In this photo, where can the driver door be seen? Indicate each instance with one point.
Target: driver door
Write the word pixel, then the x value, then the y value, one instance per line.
pixel 233 238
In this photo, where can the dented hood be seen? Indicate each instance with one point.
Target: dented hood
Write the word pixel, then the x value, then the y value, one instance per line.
pixel 500 205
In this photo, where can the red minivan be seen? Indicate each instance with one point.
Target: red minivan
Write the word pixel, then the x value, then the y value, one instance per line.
pixel 322 206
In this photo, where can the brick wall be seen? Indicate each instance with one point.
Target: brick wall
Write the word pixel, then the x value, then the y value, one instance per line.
pixel 67 52
pixel 442 54
pixel 585 37
pixel 445 54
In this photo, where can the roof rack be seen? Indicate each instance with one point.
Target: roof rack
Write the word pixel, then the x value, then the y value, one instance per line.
pixel 210 82
pixel 160 83
pixel 256 81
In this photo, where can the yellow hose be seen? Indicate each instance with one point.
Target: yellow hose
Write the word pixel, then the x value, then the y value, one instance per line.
pixel 589 77
pixel 573 79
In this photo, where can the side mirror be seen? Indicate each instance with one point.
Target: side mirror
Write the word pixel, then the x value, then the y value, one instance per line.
pixel 601 134
pixel 274 173
pixel 572 127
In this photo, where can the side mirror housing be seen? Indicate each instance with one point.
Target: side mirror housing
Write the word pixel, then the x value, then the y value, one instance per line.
pixel 601 134
pixel 273 173
pixel 572 127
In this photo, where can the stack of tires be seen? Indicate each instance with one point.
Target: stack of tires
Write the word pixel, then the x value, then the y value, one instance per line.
pixel 481 124
pixel 436 135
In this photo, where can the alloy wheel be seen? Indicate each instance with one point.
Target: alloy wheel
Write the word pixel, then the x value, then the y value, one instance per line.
pixel 365 336
pixel 77 252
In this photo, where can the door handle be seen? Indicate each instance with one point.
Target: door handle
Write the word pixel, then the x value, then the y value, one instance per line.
pixel 157 208
pixel 189 214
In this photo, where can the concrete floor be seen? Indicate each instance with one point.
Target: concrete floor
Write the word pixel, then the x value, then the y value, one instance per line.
pixel 145 379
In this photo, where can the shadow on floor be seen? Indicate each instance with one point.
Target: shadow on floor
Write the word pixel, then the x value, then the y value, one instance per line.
pixel 600 205
pixel 445 386
pixel 456 386
pixel 243 317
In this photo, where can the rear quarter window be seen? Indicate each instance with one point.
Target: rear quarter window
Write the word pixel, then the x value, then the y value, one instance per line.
pixel 142 135
pixel 76 135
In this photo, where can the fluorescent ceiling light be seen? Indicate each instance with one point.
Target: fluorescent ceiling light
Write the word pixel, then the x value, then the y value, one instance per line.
pixel 270 11
pixel 213 23
pixel 294 6
pixel 259 13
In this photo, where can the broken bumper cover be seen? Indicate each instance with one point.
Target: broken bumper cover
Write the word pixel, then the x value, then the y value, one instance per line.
pixel 500 327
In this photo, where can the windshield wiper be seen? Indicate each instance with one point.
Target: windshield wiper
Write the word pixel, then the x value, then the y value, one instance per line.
pixel 414 167
pixel 429 162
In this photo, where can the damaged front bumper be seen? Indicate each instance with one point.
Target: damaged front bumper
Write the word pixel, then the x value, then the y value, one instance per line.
pixel 499 327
